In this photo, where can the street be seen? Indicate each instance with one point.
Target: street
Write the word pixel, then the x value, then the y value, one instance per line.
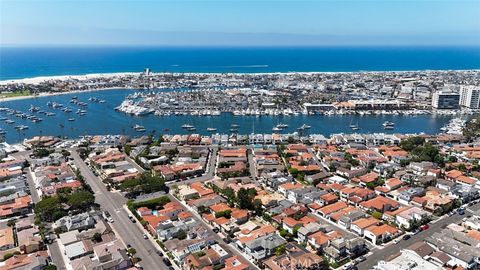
pixel 217 238
pixel 124 228
pixel 385 253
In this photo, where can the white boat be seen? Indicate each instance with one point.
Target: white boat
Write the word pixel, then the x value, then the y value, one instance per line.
pixel 275 129
pixel 211 129
pixel 282 126
pixel 187 126
pixel 139 128
pixel 71 119
pixel 388 124
pixel 21 127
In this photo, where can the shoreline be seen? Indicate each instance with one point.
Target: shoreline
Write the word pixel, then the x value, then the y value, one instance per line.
pixel 41 79
pixel 7 99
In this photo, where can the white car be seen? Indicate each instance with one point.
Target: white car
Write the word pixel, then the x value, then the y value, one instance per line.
pixel 396 241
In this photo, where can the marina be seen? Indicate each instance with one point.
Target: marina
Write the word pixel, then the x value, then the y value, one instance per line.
pixel 93 120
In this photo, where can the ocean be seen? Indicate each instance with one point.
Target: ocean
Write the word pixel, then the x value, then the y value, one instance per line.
pixel 101 118
pixel 26 62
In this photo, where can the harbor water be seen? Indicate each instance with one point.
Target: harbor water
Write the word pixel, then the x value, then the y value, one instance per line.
pixel 101 118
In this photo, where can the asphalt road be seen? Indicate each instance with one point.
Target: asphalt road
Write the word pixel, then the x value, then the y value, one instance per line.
pixel 53 249
pixel 385 253
pixel 124 228
pixel 216 237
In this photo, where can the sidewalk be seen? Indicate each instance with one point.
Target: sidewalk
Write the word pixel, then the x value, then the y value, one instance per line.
pixel 151 239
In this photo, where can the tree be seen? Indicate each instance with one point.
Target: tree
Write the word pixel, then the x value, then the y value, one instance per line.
pixel 41 152
pixel 11 222
pixel 181 234
pixel 131 251
pixel 245 198
pixel 50 267
pixel 377 215
pixel 97 237
pixel 49 209
pixel 280 250
pixel 81 200
pixel 257 207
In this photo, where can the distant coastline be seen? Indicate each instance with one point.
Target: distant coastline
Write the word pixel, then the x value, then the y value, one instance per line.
pixel 34 62
pixel 60 78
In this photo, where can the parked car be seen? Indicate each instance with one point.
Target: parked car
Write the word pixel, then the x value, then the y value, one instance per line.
pixel 167 261
pixel 424 227
pixel 360 259
pixel 159 253
pixel 406 237
pixel 145 236
pixel 461 211
pixel 396 241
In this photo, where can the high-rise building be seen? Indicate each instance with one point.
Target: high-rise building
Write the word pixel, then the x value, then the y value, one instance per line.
pixel 445 100
pixel 470 96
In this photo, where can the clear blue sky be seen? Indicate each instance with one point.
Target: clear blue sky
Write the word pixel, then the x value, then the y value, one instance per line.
pixel 240 22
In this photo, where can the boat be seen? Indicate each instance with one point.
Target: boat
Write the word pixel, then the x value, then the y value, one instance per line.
pixel 276 129
pixel 139 128
pixel 282 126
pixel 21 127
pixel 234 126
pixel 3 118
pixel 354 126
pixel 9 121
pixel 2 132
pixel 71 119
pixel 211 129
pixel 34 109
pixel 187 126
pixel 305 126
pixel 388 124
pixel 192 128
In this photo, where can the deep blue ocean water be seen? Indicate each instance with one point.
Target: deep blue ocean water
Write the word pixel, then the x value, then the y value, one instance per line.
pixel 25 62
pixel 103 119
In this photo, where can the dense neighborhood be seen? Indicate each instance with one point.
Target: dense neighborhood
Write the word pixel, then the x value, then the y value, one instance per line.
pixel 373 201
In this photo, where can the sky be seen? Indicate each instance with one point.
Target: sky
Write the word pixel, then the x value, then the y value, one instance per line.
pixel 240 22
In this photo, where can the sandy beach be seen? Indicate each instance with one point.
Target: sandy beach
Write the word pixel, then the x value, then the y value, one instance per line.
pixel 4 99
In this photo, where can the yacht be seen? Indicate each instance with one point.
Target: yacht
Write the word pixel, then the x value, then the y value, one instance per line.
pixel 187 126
pixel 3 118
pixel 211 129
pixel 139 128
pixel 305 126
pixel 354 126
pixel 71 119
pixel 234 126
pixel 276 129
pixel 2 132
pixel 282 126
pixel 34 109
pixel 9 121
pixel 21 127
pixel 387 123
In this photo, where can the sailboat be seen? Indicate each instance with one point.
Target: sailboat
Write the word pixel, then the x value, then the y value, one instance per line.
pixel 354 127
